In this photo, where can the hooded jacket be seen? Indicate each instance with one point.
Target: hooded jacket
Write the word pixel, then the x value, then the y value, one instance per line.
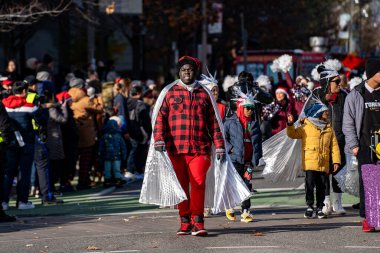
pixel 235 140
pixel 83 110
pixel 318 146
pixel 21 114
pixel 112 146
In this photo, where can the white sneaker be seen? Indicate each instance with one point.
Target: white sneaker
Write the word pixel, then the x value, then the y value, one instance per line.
pixel 261 162
pixel 5 206
pixel 327 208
pixel 129 176
pixel 337 204
pixel 25 206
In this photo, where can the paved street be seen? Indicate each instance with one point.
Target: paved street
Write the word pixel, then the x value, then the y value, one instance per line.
pixel 114 221
pixel 273 230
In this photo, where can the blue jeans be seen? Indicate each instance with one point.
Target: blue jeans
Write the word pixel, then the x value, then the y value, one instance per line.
pixel 112 166
pixel 18 160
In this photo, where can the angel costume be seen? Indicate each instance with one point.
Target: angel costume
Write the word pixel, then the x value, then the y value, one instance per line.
pixel 186 120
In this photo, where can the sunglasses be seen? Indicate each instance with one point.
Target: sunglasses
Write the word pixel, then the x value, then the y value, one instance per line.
pixel 336 81
pixel 249 108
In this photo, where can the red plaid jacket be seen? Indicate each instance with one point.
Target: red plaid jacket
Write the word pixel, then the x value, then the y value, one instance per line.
pixel 186 122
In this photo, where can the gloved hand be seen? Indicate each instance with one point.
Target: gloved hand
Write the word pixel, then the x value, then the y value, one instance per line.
pixel 221 156
pixel 160 148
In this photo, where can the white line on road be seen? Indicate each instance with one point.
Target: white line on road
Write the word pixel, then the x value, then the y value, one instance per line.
pixel 363 247
pixel 115 251
pixel 243 247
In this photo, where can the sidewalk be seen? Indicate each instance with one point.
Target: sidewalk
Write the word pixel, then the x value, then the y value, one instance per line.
pixel 125 200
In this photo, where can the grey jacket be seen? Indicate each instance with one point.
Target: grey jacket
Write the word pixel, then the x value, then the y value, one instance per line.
pixel 54 142
pixel 353 117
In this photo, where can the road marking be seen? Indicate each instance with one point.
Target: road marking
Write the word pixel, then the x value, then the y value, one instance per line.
pixel 363 247
pixel 114 251
pixel 243 247
pixel 83 236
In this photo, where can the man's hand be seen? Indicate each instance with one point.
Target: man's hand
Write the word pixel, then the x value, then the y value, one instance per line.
pixel 290 119
pixel 160 148
pixel 221 156
pixel 336 167
pixel 355 151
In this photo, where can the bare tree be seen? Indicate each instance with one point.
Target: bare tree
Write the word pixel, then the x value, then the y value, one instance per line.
pixel 16 13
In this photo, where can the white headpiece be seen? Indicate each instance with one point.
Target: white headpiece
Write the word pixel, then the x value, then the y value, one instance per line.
pixel 209 81
pixel 246 99
pixel 333 64
pixel 229 81
pixel 354 82
pixel 264 82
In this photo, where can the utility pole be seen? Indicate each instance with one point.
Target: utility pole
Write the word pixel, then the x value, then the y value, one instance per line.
pixel 204 37
pixel 244 40
pixel 90 40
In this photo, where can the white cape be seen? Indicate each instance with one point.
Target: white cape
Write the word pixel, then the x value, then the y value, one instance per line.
pixel 282 155
pixel 225 188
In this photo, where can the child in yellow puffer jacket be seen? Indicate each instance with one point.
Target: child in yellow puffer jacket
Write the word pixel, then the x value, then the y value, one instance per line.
pixel 319 143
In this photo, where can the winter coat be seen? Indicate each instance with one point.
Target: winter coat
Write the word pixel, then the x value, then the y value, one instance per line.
pixel 139 115
pixel 317 146
pixel 84 110
pixel 353 117
pixel 21 114
pixel 54 141
pixel 235 140
pixel 6 131
pixel 335 113
pixel 186 122
pixel 112 146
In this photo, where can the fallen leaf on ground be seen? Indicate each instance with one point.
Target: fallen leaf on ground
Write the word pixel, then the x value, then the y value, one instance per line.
pixel 258 234
pixel 100 218
pixel 29 245
pixel 92 248
pixel 46 247
pixel 126 220
pixel 41 251
pixel 59 227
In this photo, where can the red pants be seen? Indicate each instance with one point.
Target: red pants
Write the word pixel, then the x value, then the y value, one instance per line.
pixel 191 169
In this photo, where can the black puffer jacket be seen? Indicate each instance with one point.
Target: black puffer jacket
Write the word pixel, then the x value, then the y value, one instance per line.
pixel 336 111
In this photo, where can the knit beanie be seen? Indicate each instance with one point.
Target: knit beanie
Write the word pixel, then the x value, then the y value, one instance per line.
pixel 315 110
pixel 194 62
pixel 372 67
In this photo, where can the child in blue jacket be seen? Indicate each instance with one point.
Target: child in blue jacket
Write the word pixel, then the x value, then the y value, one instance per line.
pixel 243 143
pixel 112 150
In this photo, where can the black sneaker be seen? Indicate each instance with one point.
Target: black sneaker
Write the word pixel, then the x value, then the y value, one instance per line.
pixel 356 206
pixel 52 201
pixel 198 227
pixel 309 213
pixel 185 228
pixel 107 183
pixel 320 214
pixel 120 182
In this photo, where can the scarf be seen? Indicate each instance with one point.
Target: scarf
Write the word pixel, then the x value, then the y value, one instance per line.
pixel 320 124
pixel 189 87
pixel 243 119
pixel 331 98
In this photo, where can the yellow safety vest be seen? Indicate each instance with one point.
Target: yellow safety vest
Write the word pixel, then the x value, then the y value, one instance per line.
pixel 30 97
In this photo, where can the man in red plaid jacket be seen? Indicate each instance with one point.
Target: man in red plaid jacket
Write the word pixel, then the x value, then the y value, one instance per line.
pixel 186 127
